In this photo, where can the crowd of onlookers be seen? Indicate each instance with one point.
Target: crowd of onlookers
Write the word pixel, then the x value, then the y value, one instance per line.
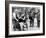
pixel 23 18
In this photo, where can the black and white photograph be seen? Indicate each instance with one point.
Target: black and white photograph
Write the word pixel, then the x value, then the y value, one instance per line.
pixel 25 19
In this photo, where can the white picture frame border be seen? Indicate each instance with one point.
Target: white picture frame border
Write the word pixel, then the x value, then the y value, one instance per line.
pixel 25 32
